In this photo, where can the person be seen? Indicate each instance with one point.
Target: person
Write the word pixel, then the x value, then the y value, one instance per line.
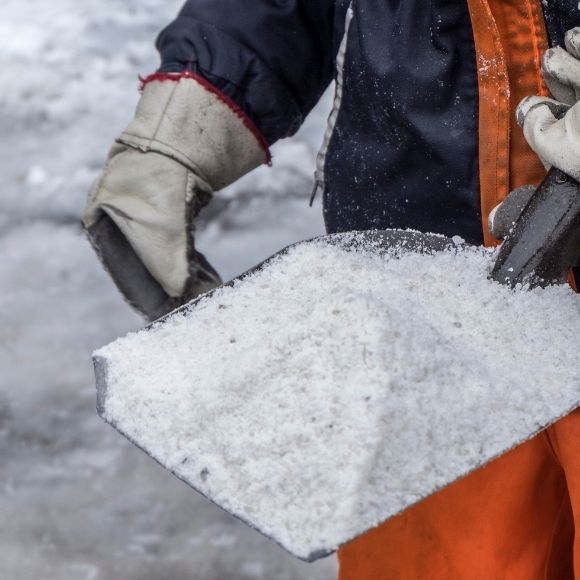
pixel 423 134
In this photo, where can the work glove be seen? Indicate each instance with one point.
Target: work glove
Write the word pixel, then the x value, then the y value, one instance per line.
pixel 551 127
pixel 185 142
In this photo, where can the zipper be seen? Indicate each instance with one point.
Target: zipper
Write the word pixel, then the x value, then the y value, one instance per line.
pixel 319 177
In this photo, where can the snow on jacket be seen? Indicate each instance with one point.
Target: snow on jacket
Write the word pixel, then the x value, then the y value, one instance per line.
pixel 415 93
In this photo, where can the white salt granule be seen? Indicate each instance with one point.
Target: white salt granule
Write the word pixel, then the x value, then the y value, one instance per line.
pixel 320 396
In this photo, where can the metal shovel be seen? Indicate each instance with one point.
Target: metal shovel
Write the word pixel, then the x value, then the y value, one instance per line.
pixel 540 250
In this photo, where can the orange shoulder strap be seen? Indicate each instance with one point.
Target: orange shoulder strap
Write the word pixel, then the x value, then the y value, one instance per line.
pixel 510 38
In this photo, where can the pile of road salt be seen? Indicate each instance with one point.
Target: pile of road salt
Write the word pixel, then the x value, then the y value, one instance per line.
pixel 332 388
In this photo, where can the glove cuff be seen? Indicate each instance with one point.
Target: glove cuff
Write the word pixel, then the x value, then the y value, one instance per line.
pixel 184 117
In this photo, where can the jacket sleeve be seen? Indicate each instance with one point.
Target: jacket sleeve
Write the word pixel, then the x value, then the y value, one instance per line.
pixel 273 58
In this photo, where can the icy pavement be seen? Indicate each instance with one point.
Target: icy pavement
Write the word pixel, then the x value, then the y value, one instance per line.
pixel 76 501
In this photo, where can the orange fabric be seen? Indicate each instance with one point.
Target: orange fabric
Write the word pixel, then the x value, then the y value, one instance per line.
pixel 514 519
pixel 510 38
pixel 510 520
pixel 522 29
pixel 494 111
pixel 573 279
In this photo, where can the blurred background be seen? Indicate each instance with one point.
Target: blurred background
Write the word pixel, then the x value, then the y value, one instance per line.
pixel 77 502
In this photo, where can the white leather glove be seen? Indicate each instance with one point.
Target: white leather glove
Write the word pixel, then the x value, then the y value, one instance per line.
pixel 561 69
pixel 184 143
pixel 552 126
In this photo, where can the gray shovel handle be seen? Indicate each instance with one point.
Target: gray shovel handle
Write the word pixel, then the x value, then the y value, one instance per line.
pixel 545 241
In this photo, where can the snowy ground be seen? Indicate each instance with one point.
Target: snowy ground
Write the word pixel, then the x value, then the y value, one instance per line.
pixel 76 500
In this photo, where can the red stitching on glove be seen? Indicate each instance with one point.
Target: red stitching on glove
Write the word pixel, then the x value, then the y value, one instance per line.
pixel 232 105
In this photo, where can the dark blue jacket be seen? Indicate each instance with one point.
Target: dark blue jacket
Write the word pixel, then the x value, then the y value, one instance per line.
pixel 403 150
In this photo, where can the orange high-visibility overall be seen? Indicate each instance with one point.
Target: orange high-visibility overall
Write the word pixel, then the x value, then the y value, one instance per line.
pixel 514 518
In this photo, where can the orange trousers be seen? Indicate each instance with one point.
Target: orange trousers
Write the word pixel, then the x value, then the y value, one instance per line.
pixel 515 518
pixel 512 519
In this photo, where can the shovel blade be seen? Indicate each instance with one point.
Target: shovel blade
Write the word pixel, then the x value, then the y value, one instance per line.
pixel 322 487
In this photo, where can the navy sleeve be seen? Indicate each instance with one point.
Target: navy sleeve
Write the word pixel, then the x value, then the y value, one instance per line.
pixel 274 58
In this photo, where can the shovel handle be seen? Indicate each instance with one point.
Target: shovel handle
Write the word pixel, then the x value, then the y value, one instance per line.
pixel 545 241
